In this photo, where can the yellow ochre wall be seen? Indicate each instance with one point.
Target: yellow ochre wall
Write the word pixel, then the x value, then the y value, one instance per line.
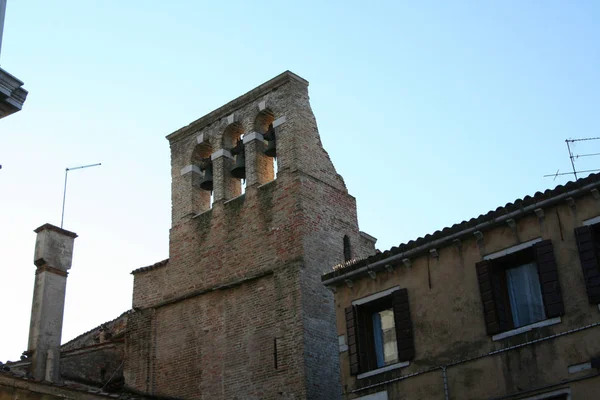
pixel 448 320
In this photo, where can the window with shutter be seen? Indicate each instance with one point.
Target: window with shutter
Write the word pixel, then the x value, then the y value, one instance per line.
pixel 520 288
pixel 588 244
pixel 380 332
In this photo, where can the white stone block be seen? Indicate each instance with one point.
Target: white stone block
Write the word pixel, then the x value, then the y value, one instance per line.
pixel 252 136
pixel 202 138
pixel 279 121
pixel 221 153
pixel 190 168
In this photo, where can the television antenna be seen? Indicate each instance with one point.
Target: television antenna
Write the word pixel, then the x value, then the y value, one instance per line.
pixel 573 157
pixel 65 189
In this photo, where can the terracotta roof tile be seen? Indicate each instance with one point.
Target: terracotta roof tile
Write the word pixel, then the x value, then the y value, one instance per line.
pixel 62 346
pixel 447 231
pixel 151 267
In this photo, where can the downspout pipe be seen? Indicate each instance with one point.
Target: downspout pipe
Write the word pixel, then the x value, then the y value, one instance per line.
pixel 479 227
pixel 445 376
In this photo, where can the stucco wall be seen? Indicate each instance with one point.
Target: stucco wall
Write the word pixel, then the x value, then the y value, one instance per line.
pixel 448 317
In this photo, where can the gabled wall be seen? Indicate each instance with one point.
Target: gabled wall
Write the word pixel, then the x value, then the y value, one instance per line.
pixel 239 311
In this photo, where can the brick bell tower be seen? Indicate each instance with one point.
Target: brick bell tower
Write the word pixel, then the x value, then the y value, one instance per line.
pixel 238 310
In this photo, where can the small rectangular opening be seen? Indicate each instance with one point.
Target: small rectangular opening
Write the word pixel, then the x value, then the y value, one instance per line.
pixel 275 352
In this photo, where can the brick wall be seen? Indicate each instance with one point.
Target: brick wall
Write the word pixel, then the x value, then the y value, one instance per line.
pixel 239 311
pixel 100 365
pixel 96 356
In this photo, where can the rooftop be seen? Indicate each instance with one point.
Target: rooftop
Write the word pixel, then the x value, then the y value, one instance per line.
pixel 517 208
pixel 159 264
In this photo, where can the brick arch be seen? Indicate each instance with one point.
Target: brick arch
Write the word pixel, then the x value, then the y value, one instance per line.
pixel 201 150
pixel 201 199
pixel 231 134
pixel 263 119
pixel 266 166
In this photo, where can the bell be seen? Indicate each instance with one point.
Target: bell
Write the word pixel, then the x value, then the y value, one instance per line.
pixel 270 150
pixel 207 180
pixel 239 168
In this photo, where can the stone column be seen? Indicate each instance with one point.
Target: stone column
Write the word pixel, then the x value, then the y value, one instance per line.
pixel 259 168
pixel 226 187
pixel 195 200
pixel 53 257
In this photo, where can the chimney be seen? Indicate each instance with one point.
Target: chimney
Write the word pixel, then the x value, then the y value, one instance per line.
pixel 53 256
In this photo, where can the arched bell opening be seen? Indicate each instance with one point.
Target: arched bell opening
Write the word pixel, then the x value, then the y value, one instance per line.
pixel 266 160
pixel 202 192
pixel 235 170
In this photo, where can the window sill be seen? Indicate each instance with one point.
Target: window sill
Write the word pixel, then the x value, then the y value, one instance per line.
pixel 202 213
pixel 383 369
pixel 235 198
pixel 526 328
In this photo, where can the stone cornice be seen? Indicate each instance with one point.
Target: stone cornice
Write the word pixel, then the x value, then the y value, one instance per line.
pixel 237 103
pixel 46 268
pixel 12 95
pixel 55 229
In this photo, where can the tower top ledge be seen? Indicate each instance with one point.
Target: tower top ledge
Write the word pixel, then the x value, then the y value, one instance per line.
pixel 237 103
pixel 50 227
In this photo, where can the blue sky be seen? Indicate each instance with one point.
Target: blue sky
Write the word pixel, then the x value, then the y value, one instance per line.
pixel 433 112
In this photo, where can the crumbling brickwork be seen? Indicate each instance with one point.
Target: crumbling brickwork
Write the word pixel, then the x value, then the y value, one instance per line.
pixel 239 311
pixel 96 357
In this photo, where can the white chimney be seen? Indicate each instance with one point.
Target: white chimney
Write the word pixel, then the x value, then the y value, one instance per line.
pixel 53 257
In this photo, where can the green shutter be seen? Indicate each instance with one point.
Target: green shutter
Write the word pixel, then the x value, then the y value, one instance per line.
pixel 588 256
pixel 404 327
pixel 547 268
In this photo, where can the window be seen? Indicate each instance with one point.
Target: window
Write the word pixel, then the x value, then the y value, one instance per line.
pixel 347 249
pixel 561 394
pixel 588 243
pixel 525 294
pixel 379 332
pixel 375 396
pixel 519 286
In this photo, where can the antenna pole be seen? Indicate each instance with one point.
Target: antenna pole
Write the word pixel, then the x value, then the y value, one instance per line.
pixel 571 157
pixel 62 217
pixel 65 189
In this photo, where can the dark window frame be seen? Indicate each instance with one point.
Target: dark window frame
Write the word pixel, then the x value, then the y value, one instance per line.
pixel 499 268
pixel 588 245
pixel 491 274
pixel 359 325
pixel 365 318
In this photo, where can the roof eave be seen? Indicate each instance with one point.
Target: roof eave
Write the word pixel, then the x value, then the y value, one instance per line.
pixel 335 278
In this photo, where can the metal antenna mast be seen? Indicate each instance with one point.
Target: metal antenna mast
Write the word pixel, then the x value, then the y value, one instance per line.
pixel 65 189
pixel 573 157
